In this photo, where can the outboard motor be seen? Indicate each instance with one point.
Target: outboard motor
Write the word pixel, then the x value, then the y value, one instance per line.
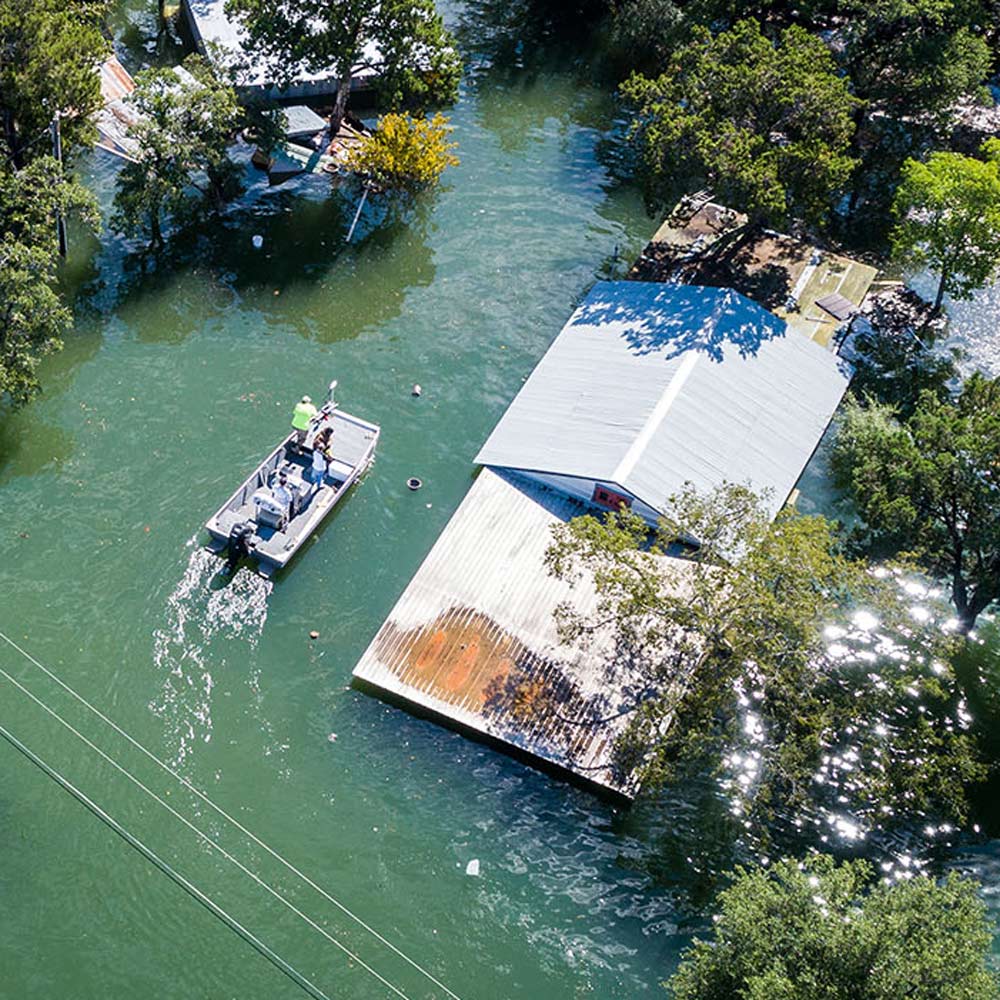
pixel 240 544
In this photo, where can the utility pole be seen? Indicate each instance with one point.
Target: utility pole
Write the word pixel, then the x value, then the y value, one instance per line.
pixel 57 153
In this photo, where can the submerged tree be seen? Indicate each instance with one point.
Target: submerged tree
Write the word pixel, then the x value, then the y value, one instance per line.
pixel 816 930
pixel 405 154
pixel 183 129
pixel 949 219
pixel 33 318
pixel 49 54
pixel 766 124
pixel 733 655
pixel 402 42
pixel 930 486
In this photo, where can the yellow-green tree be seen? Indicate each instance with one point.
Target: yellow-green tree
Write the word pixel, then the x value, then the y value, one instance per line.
pixel 405 154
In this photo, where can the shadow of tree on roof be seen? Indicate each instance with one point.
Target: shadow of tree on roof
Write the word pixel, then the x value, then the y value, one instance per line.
pixel 670 320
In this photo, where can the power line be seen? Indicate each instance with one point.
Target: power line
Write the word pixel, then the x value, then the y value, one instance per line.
pixel 221 812
pixel 275 959
pixel 204 836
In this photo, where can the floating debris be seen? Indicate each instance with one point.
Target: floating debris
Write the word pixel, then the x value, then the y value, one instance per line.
pixel 416 390
pixel 472 868
pixel 413 483
pixel 314 634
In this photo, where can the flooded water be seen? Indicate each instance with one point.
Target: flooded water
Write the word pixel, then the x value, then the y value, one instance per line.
pixel 181 374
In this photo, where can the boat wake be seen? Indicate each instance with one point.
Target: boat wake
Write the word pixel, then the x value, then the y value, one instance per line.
pixel 204 629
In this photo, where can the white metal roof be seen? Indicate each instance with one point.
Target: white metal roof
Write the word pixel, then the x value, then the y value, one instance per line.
pixel 649 386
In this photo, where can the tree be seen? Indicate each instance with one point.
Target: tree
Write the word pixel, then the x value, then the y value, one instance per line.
pixel 403 42
pixel 642 33
pixel 49 54
pixel 766 124
pixel 930 485
pixel 741 634
pixel 33 319
pixel 183 129
pixel 405 154
pixel 914 59
pixel 816 930
pixel 948 212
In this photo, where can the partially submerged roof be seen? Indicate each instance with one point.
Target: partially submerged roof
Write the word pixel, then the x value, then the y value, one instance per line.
pixel 302 120
pixel 217 33
pixel 473 638
pixel 650 386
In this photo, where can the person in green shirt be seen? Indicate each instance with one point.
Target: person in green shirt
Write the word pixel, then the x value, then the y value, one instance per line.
pixel 304 412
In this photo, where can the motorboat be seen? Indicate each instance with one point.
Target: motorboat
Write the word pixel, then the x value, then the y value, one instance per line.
pixel 279 505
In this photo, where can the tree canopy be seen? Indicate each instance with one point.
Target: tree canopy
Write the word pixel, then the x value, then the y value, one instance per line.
pixel 183 130
pixel 948 212
pixel 915 58
pixel 49 54
pixel 403 42
pixel 930 486
pixel 33 319
pixel 817 930
pixel 767 124
pixel 404 153
pixel 743 635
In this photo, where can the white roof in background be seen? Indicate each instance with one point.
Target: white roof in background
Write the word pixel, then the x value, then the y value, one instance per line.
pixel 649 386
pixel 212 26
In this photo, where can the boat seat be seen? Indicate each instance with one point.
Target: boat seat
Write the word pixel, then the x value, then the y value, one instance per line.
pixel 268 510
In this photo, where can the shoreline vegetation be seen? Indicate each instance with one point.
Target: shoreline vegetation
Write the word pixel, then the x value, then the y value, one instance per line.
pixel 863 126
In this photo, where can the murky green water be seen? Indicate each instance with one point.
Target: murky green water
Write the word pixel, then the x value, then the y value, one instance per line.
pixel 176 381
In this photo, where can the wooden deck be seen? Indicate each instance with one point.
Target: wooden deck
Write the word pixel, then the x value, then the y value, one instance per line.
pixel 771 269
pixel 473 639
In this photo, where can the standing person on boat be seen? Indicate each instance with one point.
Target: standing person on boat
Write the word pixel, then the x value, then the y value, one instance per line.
pixel 320 459
pixel 304 412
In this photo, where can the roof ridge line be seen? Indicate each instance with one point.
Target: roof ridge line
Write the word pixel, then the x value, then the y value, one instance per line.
pixel 625 467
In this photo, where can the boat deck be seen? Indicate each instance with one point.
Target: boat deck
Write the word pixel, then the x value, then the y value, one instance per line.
pixel 353 443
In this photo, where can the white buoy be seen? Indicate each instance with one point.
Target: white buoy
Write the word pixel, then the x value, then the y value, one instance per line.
pixel 258 241
pixel 472 868
pixel 416 389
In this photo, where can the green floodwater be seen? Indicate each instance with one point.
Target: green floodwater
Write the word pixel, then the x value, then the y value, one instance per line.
pixel 176 381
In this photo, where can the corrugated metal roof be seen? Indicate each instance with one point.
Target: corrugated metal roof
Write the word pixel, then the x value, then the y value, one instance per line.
pixel 649 386
pixel 473 637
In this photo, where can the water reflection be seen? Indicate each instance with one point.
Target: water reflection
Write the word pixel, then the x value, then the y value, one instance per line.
pixel 702 826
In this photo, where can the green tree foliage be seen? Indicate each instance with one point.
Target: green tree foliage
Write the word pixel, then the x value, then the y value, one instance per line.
pixel 33 319
pixel 742 633
pixel 766 124
pixel 822 931
pixel 183 131
pixel 405 154
pixel 948 212
pixel 49 54
pixel 643 33
pixel 914 58
pixel 930 486
pixel 403 41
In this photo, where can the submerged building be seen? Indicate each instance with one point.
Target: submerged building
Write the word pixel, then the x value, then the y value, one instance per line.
pixel 219 36
pixel 647 387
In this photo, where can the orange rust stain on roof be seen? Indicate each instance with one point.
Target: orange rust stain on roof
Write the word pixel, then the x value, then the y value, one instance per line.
pixel 427 649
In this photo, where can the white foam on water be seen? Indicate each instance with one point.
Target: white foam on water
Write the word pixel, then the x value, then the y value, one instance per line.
pixel 196 617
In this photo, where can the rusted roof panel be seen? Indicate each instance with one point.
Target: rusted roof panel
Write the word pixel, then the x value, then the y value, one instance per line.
pixel 474 639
